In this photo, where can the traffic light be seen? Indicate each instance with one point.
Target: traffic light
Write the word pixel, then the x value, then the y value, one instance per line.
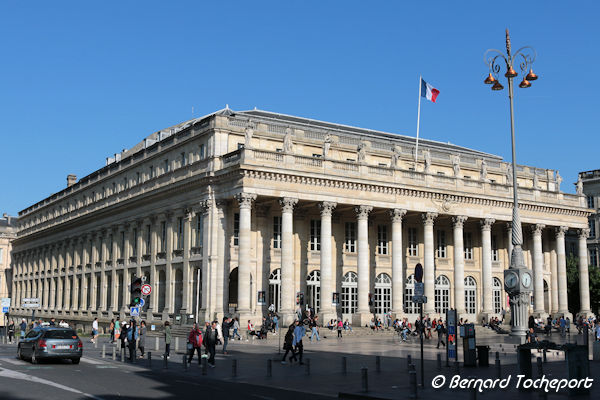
pixel 136 291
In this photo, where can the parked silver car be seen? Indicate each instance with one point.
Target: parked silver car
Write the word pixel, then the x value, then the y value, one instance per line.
pixel 49 342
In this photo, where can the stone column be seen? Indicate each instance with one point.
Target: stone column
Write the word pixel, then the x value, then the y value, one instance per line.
pixel 103 274
pixel 563 305
pixel 93 289
pixel 114 278
pixel 584 279
pixel 287 258
pixel 219 276
pixel 486 268
pixel 153 309
pixel 554 281
pixel 52 304
pixel 67 293
pixel 209 254
pixel 327 309
pixel 169 297
pixel 397 257
pixel 459 264
pixel 363 313
pixel 188 280
pixel 429 267
pixel 59 289
pixel 538 270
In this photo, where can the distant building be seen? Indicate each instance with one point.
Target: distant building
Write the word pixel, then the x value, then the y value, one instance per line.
pixel 590 185
pixel 8 231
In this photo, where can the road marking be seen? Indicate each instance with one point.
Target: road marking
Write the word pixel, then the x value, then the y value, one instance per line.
pixel 13 361
pixel 92 361
pixel 19 375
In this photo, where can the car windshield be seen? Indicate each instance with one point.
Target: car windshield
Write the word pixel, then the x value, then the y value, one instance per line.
pixel 60 334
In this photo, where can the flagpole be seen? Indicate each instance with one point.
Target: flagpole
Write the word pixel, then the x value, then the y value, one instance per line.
pixel 418 121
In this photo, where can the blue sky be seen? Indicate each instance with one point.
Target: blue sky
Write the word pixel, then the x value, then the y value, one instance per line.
pixel 82 80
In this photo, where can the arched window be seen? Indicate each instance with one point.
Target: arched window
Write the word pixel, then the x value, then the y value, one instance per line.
pixel 409 291
pixel 442 294
pixel 350 293
pixel 497 295
pixel 470 295
pixel 275 288
pixel 313 286
pixel 383 294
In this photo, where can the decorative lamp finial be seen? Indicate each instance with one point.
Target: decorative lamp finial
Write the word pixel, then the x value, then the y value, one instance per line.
pixel 507 42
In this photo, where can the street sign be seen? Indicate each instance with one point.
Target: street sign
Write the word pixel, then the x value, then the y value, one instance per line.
pixel 146 289
pixel 418 273
pixel 31 300
pixel 419 299
pixel 134 311
pixel 419 288
pixel 30 305
pixel 142 302
pixel 5 304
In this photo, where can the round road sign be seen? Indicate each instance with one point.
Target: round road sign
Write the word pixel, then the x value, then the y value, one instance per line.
pixel 146 290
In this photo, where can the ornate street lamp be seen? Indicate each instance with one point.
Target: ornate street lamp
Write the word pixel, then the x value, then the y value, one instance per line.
pixel 517 279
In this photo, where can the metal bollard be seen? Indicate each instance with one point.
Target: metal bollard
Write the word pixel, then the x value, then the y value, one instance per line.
pixel 233 368
pixel 134 361
pixel 150 359
pixel 103 351
pixel 408 362
pixel 176 344
pixel 165 361
pixel 545 357
pixel 269 368
pixel 498 368
pixel 497 355
pixel 412 381
pixel 439 362
pixel 96 343
pixel 203 365
pixel 114 355
pixel 307 366
pixel 156 344
pixel 123 355
pixel 344 363
pixel 540 367
pixel 364 379
pixel 185 364
pixel 473 390
pixel 378 364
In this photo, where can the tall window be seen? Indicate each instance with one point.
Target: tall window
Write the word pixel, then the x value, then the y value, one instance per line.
pixel 495 256
pixel 122 245
pixel 199 230
pixel 1 256
pixel 383 294
pixel 166 166
pixel 110 246
pixel 468 243
pixel 138 178
pixel 276 232
pixel 440 251
pixel 179 243
pixel 442 294
pixel 151 173
pixel 413 244
pixel 202 152
pixel 590 201
pixel 125 183
pixel 135 242
pixel 592 225
pixel 315 235
pixel 409 291
pixel 275 288
pixel 182 159
pixel 350 243
pixel 148 238
pixel 497 296
pixel 470 295
pixel 163 236
pixel 593 258
pixel 382 240
pixel 236 229
pixel 350 293
pixel 313 286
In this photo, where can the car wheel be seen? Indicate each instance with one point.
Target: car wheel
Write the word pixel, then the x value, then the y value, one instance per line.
pixel 75 360
pixel 34 359
pixel 19 353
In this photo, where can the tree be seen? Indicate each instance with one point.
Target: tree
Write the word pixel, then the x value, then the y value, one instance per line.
pixel 573 286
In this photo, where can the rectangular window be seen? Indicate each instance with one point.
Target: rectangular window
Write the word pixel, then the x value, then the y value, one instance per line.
pixel 151 171
pixel 135 242
pixel 468 243
pixel 382 240
pixel 593 258
pixel 350 242
pixel 166 166
pixel 122 248
pixel 148 238
pixel 182 159
pixel 179 243
pixel 495 256
pixel 199 230
pixel 236 229
pixel 138 178
pixel 114 188
pixel 125 183
pixel 592 225
pixel 276 232
pixel 315 235
pixel 163 236
pixel 413 244
pixel 440 251
pixel 590 201
pixel 202 152
pixel 110 246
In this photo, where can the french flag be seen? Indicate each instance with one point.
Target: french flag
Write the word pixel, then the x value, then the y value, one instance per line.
pixel 428 91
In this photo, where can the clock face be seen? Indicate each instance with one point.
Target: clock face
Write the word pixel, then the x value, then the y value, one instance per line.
pixel 511 280
pixel 526 279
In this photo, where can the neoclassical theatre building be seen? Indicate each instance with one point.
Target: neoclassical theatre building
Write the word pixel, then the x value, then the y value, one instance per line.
pixel 234 211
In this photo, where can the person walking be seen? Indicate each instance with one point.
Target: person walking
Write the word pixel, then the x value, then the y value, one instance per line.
pixel 236 328
pixel 288 344
pixel 123 335
pixel 117 330
pixel 142 338
pixel 23 327
pixel 340 327
pixel 132 337
pixel 94 330
pixel 167 339
pixel 210 341
pixel 11 331
pixel 299 333
pixel 441 331
pixel 314 330
pixel 195 340
pixel 225 327
pixel 111 330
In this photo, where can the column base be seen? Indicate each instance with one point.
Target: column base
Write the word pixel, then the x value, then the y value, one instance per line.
pixel 565 314
pixel 287 318
pixel 585 314
pixel 484 314
pixel 361 319
pixel 540 314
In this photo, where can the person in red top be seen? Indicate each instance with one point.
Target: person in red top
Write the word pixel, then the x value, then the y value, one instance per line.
pixel 195 343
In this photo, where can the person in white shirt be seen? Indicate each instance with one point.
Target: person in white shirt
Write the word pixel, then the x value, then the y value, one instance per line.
pixel 94 330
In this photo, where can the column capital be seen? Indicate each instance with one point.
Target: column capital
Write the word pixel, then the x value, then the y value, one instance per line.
pixel 486 223
pixel 397 214
pixel 204 205
pixel 459 221
pixel 560 231
pixel 508 227
pixel 537 229
pixel 362 212
pixel 327 208
pixel 188 213
pixel 287 204
pixel 245 199
pixel 428 218
pixel 583 233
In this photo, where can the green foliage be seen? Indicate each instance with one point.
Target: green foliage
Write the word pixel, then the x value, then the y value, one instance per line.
pixel 573 286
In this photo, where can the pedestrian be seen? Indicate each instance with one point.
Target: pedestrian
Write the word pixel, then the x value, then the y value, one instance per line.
pixel 225 327
pixel 52 322
pixel 94 330
pixel 313 328
pixel 288 344
pixel 236 328
pixel 11 331
pixel 23 327
pixel 563 326
pixel 275 324
pixel 117 330
pixel 123 334
pixel 210 341
pixel 167 339
pixel 142 338
pixel 340 327
pixel 503 314
pixel 441 331
pixel 194 343
pixel 598 332
pixel 132 337
pixel 299 332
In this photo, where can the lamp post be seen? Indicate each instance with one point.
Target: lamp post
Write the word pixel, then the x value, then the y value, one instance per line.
pixel 517 278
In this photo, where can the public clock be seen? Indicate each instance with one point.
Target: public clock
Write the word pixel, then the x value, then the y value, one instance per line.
pixel 511 280
pixel 526 280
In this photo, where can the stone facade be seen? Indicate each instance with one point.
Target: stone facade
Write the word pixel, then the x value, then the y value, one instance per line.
pixel 221 211
pixel 590 187
pixel 8 231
